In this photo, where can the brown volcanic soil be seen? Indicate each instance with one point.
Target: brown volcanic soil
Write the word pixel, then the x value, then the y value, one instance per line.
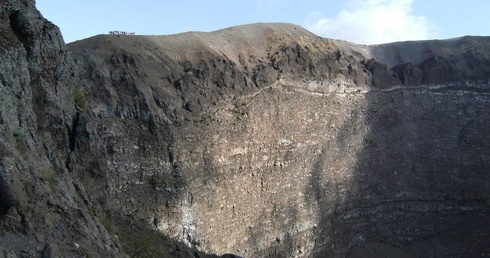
pixel 238 57
pixel 237 61
pixel 254 38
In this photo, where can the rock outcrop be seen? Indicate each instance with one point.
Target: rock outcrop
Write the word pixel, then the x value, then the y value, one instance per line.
pixel 44 209
pixel 262 140
pixel 266 140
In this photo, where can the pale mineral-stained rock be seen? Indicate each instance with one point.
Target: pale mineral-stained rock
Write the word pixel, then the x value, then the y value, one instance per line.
pixel 261 140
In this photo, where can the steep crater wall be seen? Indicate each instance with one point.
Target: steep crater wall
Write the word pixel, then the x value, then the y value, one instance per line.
pixel 265 140
pixel 44 209
pixel 318 174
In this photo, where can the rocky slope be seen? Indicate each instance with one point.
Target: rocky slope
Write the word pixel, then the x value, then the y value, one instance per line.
pixel 266 140
pixel 261 140
pixel 44 209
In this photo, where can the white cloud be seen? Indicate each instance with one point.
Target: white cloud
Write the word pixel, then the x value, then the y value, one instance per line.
pixel 371 22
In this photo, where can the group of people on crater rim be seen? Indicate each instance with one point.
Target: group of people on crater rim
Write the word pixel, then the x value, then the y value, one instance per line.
pixel 117 32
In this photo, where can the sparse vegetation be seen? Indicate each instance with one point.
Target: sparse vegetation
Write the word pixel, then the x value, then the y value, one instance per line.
pixel 80 99
pixel 20 145
pixel 19 134
pixel 51 179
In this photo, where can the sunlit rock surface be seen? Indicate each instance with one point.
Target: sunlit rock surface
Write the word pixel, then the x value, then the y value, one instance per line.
pixel 266 140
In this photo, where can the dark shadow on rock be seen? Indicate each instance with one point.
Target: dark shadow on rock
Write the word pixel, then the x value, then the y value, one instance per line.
pixel 421 182
pixel 139 240
pixel 406 168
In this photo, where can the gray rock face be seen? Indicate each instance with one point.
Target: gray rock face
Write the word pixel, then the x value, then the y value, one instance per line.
pixel 261 141
pixel 44 210
pixel 294 145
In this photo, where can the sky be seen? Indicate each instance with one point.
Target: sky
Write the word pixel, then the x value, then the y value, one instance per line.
pixel 358 21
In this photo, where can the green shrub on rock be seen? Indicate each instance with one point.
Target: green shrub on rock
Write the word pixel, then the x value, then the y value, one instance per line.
pixel 80 100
